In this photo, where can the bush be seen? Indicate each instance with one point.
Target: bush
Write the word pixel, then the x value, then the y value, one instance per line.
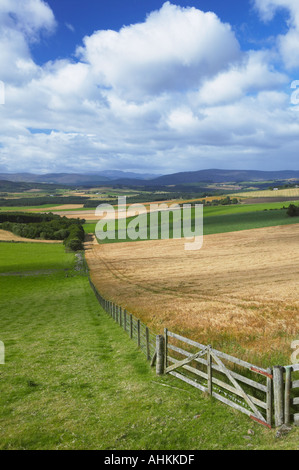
pixel 74 244
pixel 293 211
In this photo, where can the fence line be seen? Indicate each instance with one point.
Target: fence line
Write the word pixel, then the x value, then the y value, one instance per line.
pixel 259 393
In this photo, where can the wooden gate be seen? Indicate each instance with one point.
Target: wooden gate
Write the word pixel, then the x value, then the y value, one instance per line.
pixel 232 381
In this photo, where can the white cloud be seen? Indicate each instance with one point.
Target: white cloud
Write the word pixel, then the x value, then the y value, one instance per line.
pixel 27 16
pixel 174 49
pixel 70 27
pixel 288 44
pixel 252 74
pixel 172 93
pixel 21 23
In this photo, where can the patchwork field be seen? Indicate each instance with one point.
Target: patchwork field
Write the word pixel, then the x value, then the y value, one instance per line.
pixel 239 293
pixel 284 193
pixel 73 380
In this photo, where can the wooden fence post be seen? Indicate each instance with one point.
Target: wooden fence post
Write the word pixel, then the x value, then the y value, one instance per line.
pixel 278 395
pixel 269 396
pixel 125 320
pixel 120 317
pixel 287 395
pixel 131 326
pixel 148 354
pixel 165 347
pixel 160 349
pixel 138 333
pixel 209 367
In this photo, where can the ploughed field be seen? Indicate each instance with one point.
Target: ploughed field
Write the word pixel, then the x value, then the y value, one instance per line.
pixel 238 293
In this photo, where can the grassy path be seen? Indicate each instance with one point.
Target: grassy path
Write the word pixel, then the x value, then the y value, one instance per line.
pixel 74 380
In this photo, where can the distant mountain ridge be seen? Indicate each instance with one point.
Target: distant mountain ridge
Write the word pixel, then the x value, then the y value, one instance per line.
pixel 74 179
pixel 213 176
pixel 224 176
pixel 114 177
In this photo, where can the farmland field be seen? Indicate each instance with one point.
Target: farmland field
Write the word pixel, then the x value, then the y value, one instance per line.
pixel 238 293
pixel 20 257
pixel 72 379
pixel 223 219
pixel 10 237
pixel 288 192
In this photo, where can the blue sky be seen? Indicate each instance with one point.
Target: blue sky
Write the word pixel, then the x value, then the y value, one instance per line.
pixel 149 86
pixel 77 19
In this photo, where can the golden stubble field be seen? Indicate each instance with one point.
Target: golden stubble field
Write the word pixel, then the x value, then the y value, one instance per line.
pixel 238 293
pixel 6 236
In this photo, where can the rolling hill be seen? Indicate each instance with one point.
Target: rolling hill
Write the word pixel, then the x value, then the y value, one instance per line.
pixel 113 177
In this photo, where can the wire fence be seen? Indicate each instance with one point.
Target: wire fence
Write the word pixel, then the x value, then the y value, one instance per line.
pixel 265 395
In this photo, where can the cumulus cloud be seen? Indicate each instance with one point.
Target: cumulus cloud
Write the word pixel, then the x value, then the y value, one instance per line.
pixel 252 74
pixel 288 44
pixel 174 49
pixel 28 17
pixel 173 93
pixel 21 24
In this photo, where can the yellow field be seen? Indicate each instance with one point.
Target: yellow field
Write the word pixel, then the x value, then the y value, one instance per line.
pixel 63 207
pixel 6 236
pixel 291 192
pixel 238 293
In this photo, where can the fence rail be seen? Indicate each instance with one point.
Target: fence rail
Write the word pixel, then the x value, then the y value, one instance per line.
pixel 221 376
pixel 262 394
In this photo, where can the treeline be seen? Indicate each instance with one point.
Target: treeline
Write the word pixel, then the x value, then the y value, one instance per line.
pixel 19 187
pixel 226 201
pixel 143 198
pixel 42 201
pixel 140 199
pixel 45 227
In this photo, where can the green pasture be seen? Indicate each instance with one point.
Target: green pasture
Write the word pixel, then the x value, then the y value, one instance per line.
pixel 223 219
pixel 20 257
pixel 73 380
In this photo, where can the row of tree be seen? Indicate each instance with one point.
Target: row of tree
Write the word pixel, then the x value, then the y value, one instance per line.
pixel 45 227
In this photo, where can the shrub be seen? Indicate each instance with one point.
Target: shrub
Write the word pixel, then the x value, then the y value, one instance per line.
pixel 293 211
pixel 74 244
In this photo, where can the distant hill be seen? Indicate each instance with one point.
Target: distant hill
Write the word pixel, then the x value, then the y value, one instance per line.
pixel 114 177
pixel 223 176
pixel 55 178
pixel 18 187
pixel 210 177
pixel 74 179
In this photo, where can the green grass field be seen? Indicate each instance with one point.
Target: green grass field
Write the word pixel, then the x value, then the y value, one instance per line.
pixel 20 257
pixel 223 219
pixel 74 380
pixel 25 208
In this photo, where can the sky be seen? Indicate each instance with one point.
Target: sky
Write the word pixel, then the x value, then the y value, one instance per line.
pixel 148 86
